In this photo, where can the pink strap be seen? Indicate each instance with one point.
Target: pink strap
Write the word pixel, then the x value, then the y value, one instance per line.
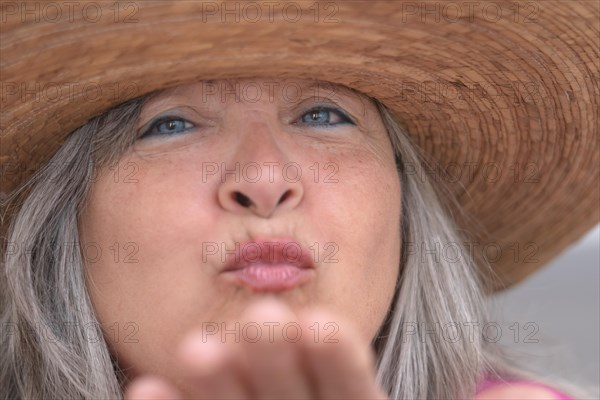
pixel 491 383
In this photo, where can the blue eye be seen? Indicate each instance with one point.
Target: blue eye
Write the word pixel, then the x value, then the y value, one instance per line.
pixel 168 126
pixel 322 116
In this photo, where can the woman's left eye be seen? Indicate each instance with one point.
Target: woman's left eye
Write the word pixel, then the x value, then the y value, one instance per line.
pixel 168 126
pixel 322 116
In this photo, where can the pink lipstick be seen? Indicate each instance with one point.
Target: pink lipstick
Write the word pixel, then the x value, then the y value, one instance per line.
pixel 271 265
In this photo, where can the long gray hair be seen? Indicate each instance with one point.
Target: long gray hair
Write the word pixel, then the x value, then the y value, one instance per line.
pixel 52 345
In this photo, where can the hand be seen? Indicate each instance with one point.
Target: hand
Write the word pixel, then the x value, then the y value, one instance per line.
pixel 319 365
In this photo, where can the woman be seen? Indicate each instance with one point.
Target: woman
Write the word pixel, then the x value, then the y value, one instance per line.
pixel 169 229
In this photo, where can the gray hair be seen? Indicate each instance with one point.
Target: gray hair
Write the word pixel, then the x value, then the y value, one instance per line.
pixel 412 363
pixel 52 345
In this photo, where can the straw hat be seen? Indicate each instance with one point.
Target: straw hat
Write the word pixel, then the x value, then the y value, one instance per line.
pixel 503 95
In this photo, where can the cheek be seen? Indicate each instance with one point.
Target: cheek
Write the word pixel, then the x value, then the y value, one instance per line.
pixel 148 232
pixel 363 210
pixel 159 211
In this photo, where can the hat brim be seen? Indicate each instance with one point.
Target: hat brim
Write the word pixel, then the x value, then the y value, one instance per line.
pixel 503 96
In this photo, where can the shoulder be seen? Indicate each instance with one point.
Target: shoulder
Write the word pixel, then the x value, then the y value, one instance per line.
pixel 518 391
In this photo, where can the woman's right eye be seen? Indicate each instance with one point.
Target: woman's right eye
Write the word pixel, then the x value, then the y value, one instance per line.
pixel 168 126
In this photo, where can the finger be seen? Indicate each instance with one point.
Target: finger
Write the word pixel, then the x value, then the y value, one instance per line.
pixel 339 361
pixel 272 354
pixel 212 368
pixel 151 388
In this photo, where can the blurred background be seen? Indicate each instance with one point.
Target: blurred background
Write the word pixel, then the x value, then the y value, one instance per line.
pixel 561 303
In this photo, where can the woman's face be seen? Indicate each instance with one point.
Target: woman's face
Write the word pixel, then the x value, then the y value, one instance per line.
pixel 241 189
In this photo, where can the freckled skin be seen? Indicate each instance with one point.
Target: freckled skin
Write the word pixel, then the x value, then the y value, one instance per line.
pixel 175 207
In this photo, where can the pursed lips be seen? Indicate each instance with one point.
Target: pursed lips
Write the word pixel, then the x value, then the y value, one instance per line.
pixel 269 265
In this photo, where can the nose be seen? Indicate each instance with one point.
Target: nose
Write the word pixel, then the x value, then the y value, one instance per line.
pixel 261 181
